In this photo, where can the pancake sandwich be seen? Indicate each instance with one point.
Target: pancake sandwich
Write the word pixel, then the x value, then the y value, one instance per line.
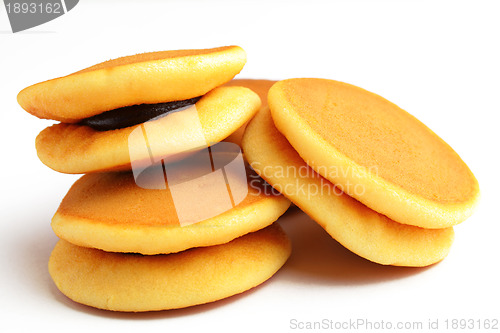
pixel 164 216
pixel 170 213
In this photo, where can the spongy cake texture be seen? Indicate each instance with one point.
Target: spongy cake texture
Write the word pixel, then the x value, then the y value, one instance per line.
pixel 147 78
pixel 351 136
pixel 261 87
pixel 357 227
pixel 73 148
pixel 132 282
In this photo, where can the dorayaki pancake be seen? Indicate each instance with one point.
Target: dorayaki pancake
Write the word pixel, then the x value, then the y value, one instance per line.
pixel 147 78
pixel 261 87
pixel 353 137
pixel 133 282
pixel 73 148
pixel 361 230
pixel 118 213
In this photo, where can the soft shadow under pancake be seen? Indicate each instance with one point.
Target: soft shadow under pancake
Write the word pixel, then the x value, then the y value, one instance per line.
pixel 318 258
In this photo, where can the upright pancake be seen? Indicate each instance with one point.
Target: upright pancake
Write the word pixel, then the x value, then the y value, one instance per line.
pixel 360 229
pixel 169 96
pixel 261 87
pixel 195 206
pixel 351 136
pixel 132 282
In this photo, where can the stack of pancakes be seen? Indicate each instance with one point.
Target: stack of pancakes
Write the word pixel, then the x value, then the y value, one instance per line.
pixel 164 217
pixel 374 177
pixel 168 216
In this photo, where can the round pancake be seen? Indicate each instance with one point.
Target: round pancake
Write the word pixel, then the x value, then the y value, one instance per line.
pixel 133 282
pixel 73 148
pixel 351 136
pixel 146 78
pixel 109 211
pixel 261 87
pixel 361 230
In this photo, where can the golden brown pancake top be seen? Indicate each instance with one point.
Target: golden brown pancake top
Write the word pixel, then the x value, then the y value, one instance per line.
pixel 151 56
pixel 114 198
pixel 147 78
pixel 380 136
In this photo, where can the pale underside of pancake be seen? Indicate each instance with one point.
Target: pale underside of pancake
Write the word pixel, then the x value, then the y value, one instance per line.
pixel 261 87
pixel 351 136
pixel 147 78
pixel 361 230
pixel 129 282
pixel 109 211
pixel 73 148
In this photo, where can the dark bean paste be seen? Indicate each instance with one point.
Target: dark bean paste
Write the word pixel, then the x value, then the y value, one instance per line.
pixel 134 114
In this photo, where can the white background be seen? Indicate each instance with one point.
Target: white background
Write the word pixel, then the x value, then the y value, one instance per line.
pixel 439 60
